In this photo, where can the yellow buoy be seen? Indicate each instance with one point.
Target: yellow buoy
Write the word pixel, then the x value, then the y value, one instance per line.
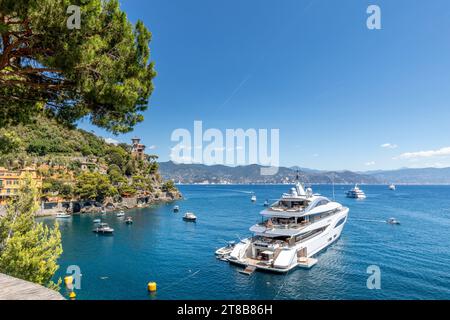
pixel 72 295
pixel 151 286
pixel 68 280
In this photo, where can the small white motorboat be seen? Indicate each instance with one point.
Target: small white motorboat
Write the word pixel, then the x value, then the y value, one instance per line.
pixel 393 221
pixel 103 228
pixel 176 209
pixel 129 220
pixel 392 187
pixel 97 221
pixel 189 216
pixel 253 198
pixel 225 251
pixel 120 214
pixel 266 203
pixel 63 215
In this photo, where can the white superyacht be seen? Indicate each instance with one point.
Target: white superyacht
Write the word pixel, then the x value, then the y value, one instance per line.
pixel 293 230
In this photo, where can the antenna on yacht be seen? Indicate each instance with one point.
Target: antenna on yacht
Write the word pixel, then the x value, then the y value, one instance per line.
pixel 334 196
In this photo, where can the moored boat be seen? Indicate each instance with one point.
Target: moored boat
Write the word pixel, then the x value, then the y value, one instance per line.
pixel 189 216
pixel 294 230
pixel 356 193
pixel 225 251
pixel 103 228
pixel 129 220
pixel 63 215
pixel 176 208
pixel 253 198
pixel 120 214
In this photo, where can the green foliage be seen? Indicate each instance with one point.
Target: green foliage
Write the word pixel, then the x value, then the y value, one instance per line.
pixel 130 168
pixel 28 250
pixel 127 190
pixel 117 156
pixel 94 186
pixel 66 191
pixel 168 186
pixel 153 168
pixel 9 141
pixel 46 137
pixel 116 176
pixel 51 185
pixel 101 72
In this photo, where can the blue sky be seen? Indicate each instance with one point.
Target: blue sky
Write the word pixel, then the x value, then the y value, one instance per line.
pixel 311 68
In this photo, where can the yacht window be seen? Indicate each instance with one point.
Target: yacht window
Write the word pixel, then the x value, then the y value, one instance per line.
pixel 322 203
pixel 340 222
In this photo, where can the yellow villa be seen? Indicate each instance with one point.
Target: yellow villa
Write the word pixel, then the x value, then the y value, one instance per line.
pixel 10 182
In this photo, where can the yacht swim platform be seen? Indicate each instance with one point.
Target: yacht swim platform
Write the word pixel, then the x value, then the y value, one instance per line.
pixel 306 263
pixel 248 270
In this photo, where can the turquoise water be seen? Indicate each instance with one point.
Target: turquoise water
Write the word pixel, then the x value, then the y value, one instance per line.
pixel 414 257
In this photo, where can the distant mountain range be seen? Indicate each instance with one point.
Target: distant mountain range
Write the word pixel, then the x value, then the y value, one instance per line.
pixel 250 174
pixel 414 176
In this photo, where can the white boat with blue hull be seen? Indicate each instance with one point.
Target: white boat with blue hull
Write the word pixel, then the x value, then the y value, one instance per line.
pixel 294 229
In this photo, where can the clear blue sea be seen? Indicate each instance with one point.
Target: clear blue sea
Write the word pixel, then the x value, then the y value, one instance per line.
pixel 414 257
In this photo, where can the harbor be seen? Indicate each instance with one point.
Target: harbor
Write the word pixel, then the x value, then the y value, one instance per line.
pixel 180 256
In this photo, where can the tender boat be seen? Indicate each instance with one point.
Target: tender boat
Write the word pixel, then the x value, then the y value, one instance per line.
pixel 392 187
pixel 97 221
pixel 176 209
pixel 356 193
pixel 120 214
pixel 189 216
pixel 225 251
pixel 103 228
pixel 392 221
pixel 294 229
pixel 129 220
pixel 63 215
pixel 266 203
pixel 253 198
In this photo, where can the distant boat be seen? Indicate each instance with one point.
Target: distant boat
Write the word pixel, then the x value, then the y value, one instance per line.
pixel 62 215
pixel 356 193
pixel 266 203
pixel 253 198
pixel 176 209
pixel 120 214
pixel 392 187
pixel 103 228
pixel 392 221
pixel 189 216
pixel 129 220
pixel 97 221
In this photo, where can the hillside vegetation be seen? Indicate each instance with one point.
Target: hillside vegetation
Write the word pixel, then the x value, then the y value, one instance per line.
pixel 76 164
